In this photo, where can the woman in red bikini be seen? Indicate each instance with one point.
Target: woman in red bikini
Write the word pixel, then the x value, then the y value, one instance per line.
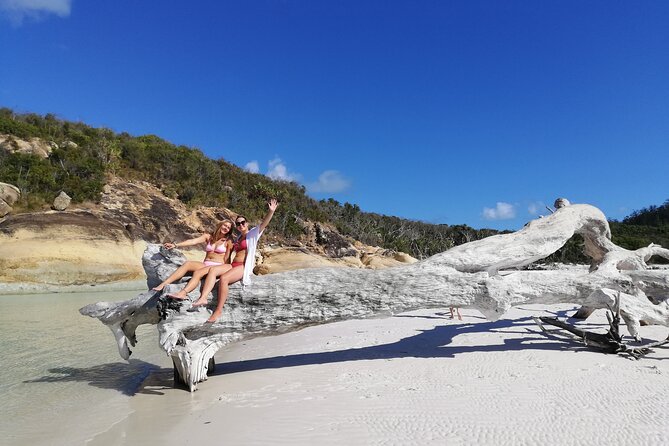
pixel 218 251
pixel 242 263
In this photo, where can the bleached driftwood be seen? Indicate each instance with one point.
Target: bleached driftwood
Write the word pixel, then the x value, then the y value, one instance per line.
pixel 474 275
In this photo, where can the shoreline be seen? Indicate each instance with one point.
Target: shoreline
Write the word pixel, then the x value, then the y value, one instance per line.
pixel 26 288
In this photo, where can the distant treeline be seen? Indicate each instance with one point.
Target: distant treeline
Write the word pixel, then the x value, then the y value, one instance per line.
pixel 85 156
pixel 642 227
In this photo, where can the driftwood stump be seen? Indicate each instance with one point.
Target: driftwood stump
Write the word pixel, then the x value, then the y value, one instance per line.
pixel 609 342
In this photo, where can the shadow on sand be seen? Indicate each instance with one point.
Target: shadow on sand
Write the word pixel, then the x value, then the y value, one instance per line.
pixel 433 343
pixel 125 377
pixel 128 378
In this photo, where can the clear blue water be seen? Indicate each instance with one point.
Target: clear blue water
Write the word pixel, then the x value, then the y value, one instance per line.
pixel 62 380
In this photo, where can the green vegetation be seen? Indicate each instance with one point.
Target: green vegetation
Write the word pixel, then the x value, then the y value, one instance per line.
pixel 85 155
pixel 643 227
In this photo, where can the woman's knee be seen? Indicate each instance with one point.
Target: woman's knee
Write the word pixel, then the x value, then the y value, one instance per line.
pixel 201 272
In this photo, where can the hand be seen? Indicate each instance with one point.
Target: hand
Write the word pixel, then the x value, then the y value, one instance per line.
pixel 272 204
pixel 169 245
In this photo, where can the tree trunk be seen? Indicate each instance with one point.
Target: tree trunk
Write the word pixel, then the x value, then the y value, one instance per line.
pixel 465 276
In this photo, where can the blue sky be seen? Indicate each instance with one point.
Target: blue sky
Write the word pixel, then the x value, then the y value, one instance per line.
pixel 476 112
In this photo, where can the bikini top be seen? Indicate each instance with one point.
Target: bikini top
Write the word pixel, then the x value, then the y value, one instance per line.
pixel 239 245
pixel 220 249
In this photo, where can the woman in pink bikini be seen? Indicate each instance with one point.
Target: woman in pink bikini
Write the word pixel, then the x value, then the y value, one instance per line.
pixel 242 263
pixel 218 251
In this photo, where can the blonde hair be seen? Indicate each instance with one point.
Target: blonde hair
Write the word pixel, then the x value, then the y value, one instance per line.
pixel 219 227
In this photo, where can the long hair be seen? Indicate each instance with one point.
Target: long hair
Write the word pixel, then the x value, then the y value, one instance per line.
pixel 219 229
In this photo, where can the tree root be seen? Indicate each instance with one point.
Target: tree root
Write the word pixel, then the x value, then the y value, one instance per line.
pixel 610 342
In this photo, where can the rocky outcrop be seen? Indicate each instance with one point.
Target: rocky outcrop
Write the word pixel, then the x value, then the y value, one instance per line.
pixel 9 194
pixel 149 215
pixel 61 202
pixel 4 208
pixel 67 248
pixel 100 244
pixel 104 242
pixel 32 146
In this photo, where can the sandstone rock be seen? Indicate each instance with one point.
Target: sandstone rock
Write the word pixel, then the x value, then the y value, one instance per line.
pixel 67 248
pixel 32 146
pixel 378 261
pixel 403 257
pixel 62 201
pixel 10 194
pixel 288 259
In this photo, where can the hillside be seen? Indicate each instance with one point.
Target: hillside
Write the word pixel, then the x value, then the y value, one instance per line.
pixel 43 155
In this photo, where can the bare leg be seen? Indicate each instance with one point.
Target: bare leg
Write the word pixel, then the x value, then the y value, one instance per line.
pixel 192 283
pixel 179 273
pixel 231 276
pixel 209 283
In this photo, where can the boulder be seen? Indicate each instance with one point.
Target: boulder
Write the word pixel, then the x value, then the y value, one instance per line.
pixel 62 201
pixel 32 146
pixel 4 208
pixel 10 194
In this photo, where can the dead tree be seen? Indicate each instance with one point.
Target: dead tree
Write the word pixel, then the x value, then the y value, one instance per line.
pixel 482 275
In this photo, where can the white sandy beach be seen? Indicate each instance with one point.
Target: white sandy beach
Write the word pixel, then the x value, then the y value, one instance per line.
pixel 412 379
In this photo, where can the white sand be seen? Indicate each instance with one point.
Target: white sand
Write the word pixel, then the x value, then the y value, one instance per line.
pixel 413 379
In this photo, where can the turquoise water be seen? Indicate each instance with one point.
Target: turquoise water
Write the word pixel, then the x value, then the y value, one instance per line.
pixel 62 380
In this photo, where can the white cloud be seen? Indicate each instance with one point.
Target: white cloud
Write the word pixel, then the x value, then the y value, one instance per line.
pixel 502 211
pixel 536 207
pixel 252 166
pixel 331 182
pixel 19 10
pixel 279 171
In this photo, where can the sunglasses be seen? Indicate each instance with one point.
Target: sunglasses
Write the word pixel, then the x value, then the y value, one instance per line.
pixel 240 223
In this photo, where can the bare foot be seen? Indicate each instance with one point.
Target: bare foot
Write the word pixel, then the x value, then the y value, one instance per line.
pixel 179 295
pixel 214 317
pixel 159 287
pixel 200 303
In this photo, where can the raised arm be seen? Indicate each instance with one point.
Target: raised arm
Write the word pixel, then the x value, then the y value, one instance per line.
pixel 272 205
pixel 190 242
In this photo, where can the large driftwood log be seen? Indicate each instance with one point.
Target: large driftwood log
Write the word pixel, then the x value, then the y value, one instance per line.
pixel 474 275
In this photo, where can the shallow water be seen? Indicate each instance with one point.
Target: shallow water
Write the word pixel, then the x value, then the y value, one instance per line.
pixel 62 379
